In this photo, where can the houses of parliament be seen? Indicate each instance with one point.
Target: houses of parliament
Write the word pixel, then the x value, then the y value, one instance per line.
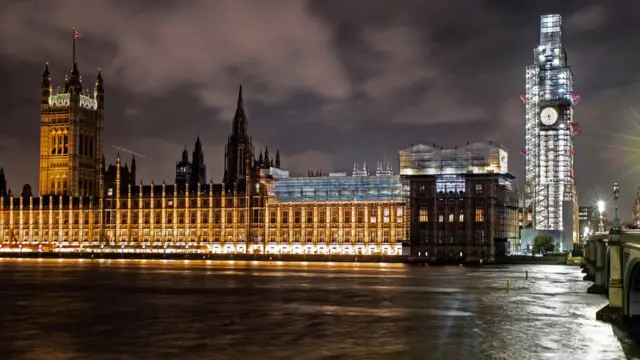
pixel 256 208
pixel 445 202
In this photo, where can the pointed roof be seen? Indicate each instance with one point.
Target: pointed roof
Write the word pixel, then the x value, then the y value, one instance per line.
pixel 240 102
pixel 99 81
pixel 240 117
pixel 46 73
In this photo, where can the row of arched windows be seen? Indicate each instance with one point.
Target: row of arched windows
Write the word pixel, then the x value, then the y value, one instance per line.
pixel 59 186
pixel 60 143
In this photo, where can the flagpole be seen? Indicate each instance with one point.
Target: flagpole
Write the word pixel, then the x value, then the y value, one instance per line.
pixel 74 45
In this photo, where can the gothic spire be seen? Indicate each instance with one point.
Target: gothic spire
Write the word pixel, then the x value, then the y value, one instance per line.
pixel 240 118
pixel 46 85
pixel 46 76
pixel 198 145
pixel 278 158
pixel 99 81
pixel 185 154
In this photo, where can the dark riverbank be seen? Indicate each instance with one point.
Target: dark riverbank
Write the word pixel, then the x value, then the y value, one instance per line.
pixel 532 260
pixel 503 260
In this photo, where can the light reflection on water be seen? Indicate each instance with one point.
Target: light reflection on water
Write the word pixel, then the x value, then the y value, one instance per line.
pixel 155 309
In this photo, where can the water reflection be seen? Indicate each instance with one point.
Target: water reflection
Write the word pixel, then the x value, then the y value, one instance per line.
pixel 155 309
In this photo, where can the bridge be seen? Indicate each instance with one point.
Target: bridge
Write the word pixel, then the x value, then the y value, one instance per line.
pixel 612 262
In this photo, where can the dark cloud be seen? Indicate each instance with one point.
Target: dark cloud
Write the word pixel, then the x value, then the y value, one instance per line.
pixel 327 82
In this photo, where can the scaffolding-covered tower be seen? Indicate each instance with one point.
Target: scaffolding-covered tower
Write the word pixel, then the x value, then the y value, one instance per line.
pixel 549 129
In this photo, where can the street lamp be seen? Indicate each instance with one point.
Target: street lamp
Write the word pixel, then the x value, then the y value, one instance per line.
pixel 601 210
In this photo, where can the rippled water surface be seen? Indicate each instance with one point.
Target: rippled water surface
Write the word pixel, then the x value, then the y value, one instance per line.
pixel 112 309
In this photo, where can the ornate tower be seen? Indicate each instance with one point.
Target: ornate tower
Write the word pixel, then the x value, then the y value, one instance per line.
pixel 239 149
pixel 198 168
pixel 71 123
pixel 549 129
pixel 183 169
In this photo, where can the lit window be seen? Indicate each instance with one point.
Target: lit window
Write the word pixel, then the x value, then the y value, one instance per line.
pixel 479 215
pixel 424 215
pixel 450 217
pixel 440 218
pixel 461 217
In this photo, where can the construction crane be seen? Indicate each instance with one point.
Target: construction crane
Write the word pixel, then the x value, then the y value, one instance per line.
pixel 128 151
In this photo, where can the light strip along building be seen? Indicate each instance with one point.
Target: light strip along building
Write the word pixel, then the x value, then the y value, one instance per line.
pixel 550 191
pixel 461 200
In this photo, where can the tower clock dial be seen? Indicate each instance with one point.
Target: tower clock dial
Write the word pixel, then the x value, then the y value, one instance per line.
pixel 548 116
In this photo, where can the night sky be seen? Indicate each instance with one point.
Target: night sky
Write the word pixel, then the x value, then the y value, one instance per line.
pixel 326 82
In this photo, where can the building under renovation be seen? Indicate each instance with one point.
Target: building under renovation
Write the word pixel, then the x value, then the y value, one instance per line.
pixel 339 214
pixel 550 192
pixel 461 201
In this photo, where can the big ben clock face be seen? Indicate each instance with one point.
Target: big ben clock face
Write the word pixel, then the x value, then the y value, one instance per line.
pixel 548 116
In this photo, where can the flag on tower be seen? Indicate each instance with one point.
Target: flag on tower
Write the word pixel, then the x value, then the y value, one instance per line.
pixel 76 34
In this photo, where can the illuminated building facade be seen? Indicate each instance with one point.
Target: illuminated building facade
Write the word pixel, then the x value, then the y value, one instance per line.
pixel 71 125
pixel 269 214
pixel 461 200
pixel 339 214
pixel 550 191
pixel 257 208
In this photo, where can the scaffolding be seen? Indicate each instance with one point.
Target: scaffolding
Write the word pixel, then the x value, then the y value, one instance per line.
pixel 548 152
pixel 472 158
pixel 340 189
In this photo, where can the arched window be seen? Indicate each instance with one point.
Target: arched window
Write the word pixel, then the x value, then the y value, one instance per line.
pixel 66 143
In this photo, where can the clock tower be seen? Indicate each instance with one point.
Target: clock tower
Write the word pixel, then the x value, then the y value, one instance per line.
pixel 550 192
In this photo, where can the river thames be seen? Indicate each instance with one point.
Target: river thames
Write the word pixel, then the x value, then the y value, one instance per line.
pixel 127 309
